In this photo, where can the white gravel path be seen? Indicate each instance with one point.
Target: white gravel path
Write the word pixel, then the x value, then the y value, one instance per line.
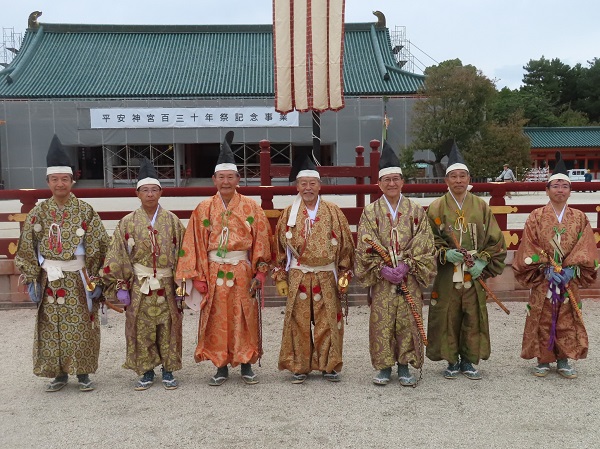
pixel 509 408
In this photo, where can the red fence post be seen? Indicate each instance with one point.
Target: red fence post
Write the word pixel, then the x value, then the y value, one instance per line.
pixel 374 165
pixel 497 199
pixel 360 162
pixel 28 200
pixel 266 197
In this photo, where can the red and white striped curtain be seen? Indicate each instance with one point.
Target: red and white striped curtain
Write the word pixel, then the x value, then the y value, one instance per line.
pixel 308 42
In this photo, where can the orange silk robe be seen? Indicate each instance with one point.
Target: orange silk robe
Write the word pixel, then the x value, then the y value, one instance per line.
pixel 228 331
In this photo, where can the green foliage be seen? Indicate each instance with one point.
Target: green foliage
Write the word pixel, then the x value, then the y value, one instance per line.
pixel 454 106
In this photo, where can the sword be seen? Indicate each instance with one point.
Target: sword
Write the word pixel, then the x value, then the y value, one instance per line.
pixel 256 292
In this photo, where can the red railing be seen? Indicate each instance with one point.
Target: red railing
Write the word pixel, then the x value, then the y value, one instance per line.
pixel 266 191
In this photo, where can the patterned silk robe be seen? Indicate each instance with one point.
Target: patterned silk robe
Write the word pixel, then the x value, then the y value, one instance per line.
pixel 579 250
pixel 393 333
pixel 228 331
pixel 313 297
pixel 153 326
pixel 458 320
pixel 67 332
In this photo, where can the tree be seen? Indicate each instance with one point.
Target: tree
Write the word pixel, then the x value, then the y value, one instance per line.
pixel 499 144
pixel 455 106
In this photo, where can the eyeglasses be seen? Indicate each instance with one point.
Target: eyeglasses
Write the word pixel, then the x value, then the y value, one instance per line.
pixel 395 179
pixel 148 191
pixel 560 186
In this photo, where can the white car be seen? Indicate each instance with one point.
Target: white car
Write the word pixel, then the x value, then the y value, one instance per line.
pixel 577 175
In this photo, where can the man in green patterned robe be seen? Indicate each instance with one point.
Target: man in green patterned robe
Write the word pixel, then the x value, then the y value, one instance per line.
pixel 401 228
pixel 458 320
pixel 139 271
pixel 60 252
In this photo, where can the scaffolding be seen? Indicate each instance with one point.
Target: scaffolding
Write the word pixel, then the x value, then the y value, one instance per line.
pixel 402 48
pixel 11 42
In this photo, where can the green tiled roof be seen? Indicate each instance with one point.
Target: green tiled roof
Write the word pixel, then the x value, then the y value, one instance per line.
pixel 568 137
pixel 153 61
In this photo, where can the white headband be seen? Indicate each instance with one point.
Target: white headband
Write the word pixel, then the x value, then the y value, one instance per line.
pixel 389 171
pixel 223 167
pixel 59 170
pixel 145 181
pixel 559 176
pixel 308 174
pixel 457 166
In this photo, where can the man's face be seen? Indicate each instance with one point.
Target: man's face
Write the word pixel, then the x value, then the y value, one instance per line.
pixel 391 185
pixel 226 181
pixel 308 188
pixel 149 194
pixel 559 191
pixel 458 181
pixel 60 185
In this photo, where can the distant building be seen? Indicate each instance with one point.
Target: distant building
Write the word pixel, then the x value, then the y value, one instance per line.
pixel 579 146
pixel 116 93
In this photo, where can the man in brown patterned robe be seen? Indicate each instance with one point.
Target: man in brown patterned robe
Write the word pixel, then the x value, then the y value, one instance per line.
pixel 314 250
pixel 554 330
pixel 60 251
pixel 401 228
pixel 139 271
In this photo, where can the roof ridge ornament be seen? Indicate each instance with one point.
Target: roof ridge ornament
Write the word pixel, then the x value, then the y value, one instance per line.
pixel 380 19
pixel 32 22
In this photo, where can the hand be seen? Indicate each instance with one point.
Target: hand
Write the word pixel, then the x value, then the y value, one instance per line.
pixel 566 275
pixel 35 292
pixel 552 276
pixel 262 277
pixel 390 275
pixel 477 268
pixel 123 297
pixel 401 270
pixel 201 286
pixel 454 256
pixel 96 293
pixel 282 288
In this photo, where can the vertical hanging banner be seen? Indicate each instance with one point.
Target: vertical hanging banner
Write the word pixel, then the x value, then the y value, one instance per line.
pixel 308 45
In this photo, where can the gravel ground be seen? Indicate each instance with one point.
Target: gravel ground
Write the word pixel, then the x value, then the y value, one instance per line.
pixel 509 408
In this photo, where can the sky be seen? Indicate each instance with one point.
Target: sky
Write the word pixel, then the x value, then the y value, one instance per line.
pixel 498 37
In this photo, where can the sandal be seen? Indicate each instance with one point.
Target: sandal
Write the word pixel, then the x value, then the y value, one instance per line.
pixel 333 376
pixel 469 371
pixel 248 375
pixel 383 376
pixel 57 383
pixel 85 384
pixel 168 381
pixel 220 378
pixel 566 370
pixel 299 378
pixel 541 370
pixel 406 379
pixel 145 381
pixel 452 371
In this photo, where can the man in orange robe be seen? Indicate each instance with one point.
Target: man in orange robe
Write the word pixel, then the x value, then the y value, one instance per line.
pixel 226 244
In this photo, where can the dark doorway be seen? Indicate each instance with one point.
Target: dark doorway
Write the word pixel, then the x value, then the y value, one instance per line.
pixel 91 163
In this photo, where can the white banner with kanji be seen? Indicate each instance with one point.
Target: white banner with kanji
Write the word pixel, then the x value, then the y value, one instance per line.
pixel 242 117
